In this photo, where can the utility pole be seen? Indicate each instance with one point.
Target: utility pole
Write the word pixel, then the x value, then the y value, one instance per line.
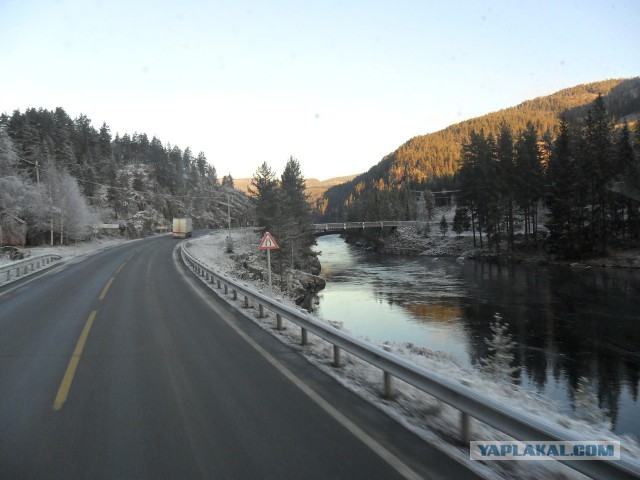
pixel 228 204
pixel 229 214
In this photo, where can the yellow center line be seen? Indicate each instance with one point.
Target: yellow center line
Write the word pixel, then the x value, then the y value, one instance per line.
pixel 124 263
pixel 105 289
pixel 63 391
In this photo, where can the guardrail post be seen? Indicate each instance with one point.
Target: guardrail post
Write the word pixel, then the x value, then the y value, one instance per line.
pixel 278 322
pixel 235 294
pixel 219 285
pixel 465 422
pixel 246 302
pixel 465 430
pixel 388 379
pixel 260 311
pixel 336 356
pixel 226 289
pixel 303 334
pixel 388 386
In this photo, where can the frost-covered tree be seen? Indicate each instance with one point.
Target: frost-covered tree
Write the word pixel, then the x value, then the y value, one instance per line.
pixel 444 226
pixel 498 364
pixel 585 402
pixel 69 216
pixel 8 155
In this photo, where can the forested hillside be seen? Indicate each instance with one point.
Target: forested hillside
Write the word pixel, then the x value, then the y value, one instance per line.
pixel 60 176
pixel 588 179
pixel 429 162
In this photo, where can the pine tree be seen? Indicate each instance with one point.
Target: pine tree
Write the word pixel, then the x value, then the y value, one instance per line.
pixel 461 221
pixel 264 189
pixel 626 184
pixel 562 193
pixel 498 364
pixel 529 177
pixel 596 166
pixel 585 402
pixel 294 220
pixel 506 179
pixel 444 226
pixel 227 181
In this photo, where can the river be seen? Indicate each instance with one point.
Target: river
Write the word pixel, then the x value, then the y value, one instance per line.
pixel 566 323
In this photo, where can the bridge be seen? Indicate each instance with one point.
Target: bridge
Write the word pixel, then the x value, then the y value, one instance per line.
pixel 321 229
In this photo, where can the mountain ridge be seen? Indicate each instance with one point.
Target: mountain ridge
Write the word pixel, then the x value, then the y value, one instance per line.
pixel 430 161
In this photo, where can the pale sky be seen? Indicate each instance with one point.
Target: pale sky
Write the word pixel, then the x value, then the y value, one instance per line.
pixel 336 84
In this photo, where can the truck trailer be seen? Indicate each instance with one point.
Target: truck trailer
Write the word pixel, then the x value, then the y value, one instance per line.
pixel 182 227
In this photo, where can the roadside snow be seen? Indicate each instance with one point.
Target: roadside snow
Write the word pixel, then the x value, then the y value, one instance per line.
pixel 80 249
pixel 66 252
pixel 428 417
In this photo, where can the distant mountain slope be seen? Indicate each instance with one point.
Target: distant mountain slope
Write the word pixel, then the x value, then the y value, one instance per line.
pixel 315 187
pixel 429 161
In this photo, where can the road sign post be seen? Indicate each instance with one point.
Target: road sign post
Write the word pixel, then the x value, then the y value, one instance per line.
pixel 268 243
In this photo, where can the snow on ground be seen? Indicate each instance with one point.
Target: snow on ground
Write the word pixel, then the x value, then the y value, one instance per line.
pixel 80 249
pixel 434 421
pixel 67 252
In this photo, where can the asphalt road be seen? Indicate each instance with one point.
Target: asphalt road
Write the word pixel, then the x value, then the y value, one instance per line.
pixel 123 366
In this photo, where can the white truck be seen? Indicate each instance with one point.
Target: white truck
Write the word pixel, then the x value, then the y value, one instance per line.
pixel 182 227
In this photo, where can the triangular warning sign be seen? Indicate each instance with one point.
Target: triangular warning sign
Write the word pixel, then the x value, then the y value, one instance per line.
pixel 268 242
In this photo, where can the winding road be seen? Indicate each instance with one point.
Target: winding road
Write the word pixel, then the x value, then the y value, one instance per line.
pixel 123 365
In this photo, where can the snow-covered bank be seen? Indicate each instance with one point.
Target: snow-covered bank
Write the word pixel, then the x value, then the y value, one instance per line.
pixel 434 421
pixel 68 252
pixel 244 261
pixel 412 241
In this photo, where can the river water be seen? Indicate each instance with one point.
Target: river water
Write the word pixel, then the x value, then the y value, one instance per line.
pixel 566 323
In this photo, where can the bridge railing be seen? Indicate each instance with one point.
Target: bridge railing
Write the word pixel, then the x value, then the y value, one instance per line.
pixel 23 267
pixel 327 227
pixel 515 423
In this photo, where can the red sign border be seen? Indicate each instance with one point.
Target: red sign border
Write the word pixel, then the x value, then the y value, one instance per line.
pixel 264 238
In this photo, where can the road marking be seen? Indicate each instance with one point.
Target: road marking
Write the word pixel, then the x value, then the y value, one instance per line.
pixel 395 462
pixel 63 391
pixel 124 263
pixel 106 289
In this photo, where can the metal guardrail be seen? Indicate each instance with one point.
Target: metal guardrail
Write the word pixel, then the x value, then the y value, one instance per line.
pixel 23 267
pixel 329 227
pixel 517 424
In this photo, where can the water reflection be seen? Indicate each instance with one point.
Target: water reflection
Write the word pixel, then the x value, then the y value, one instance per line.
pixel 567 324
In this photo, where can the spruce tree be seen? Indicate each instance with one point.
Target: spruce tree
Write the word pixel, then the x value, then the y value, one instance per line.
pixel 561 194
pixel 597 168
pixel 264 189
pixel 528 177
pixel 444 226
pixel 294 225
pixel 506 179
pixel 227 181
pixel 626 184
